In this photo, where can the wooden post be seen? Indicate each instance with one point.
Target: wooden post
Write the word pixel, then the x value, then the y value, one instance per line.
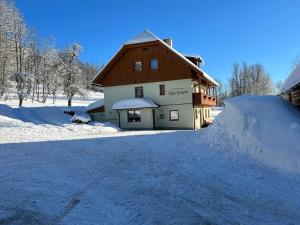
pixel 199 85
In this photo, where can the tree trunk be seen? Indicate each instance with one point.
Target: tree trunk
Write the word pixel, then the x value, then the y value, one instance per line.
pixel 20 102
pixel 69 102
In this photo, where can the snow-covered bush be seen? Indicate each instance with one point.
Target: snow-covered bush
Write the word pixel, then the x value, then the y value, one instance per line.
pixel 80 119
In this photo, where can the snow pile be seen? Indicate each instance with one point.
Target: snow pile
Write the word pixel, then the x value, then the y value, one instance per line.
pixel 215 111
pixel 95 105
pixel 135 103
pixel 292 80
pixel 84 118
pixel 265 127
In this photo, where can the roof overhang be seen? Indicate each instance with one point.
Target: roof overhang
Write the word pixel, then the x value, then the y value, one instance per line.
pixel 134 103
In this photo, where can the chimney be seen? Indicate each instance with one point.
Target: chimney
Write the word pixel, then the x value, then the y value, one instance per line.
pixel 168 41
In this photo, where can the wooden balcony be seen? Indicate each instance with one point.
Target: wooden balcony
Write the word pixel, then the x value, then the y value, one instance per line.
pixel 204 99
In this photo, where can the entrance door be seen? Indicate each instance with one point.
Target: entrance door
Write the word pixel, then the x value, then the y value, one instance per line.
pixel 197 119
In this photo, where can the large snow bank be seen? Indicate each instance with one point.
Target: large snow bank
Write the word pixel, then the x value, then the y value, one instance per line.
pixel 215 111
pixel 135 103
pixel 292 80
pixel 266 127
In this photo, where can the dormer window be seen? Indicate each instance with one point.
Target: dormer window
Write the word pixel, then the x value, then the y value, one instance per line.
pixel 137 66
pixel 154 64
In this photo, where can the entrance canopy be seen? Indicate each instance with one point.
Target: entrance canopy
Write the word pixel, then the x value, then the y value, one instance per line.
pixel 134 103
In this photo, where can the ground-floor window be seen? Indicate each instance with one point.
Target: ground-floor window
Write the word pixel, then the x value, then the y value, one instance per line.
pixel 134 116
pixel 174 115
pixel 161 116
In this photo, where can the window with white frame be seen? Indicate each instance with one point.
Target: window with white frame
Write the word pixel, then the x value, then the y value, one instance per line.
pixel 174 115
pixel 134 116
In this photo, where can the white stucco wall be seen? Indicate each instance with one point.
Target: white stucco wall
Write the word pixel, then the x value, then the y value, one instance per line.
pixel 185 112
pixel 145 123
pixel 178 96
pixel 100 116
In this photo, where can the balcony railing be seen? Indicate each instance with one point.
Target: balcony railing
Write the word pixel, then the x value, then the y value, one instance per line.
pixel 204 99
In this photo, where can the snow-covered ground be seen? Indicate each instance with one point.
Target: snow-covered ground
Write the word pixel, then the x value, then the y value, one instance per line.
pixel 215 111
pixel 40 122
pixel 152 177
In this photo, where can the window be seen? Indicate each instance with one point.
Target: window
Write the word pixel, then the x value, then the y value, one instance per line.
pixel 174 116
pixel 137 66
pixel 154 64
pixel 134 116
pixel 196 113
pixel 139 93
pixel 161 116
pixel 162 90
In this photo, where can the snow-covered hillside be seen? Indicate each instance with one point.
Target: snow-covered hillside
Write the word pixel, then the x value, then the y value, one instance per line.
pixel 151 177
pixel 39 122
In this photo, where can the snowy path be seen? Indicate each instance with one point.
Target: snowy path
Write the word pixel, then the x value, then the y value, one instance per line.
pixel 145 179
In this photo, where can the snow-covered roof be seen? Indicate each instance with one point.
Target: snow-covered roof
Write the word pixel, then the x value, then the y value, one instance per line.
pixel 192 56
pixel 147 36
pixel 95 105
pixel 135 103
pixel 292 80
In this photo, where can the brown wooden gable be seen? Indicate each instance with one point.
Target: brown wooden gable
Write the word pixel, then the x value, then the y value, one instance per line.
pixel 120 71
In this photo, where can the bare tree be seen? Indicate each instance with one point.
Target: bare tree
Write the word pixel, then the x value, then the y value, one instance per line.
pixel 70 72
pixel 23 81
pixel 250 79
pixel 22 50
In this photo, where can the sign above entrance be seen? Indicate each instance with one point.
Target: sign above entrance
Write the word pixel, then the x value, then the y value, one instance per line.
pixel 178 91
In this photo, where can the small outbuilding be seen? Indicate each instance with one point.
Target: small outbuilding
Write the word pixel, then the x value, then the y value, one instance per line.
pixel 96 110
pixel 290 89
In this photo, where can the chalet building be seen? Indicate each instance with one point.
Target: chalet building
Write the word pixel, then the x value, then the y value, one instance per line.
pixel 290 89
pixel 150 85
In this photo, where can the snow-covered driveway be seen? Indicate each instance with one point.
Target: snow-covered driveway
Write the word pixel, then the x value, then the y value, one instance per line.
pixel 164 178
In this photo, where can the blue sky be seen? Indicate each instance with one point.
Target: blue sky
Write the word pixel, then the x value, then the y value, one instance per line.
pixel 222 32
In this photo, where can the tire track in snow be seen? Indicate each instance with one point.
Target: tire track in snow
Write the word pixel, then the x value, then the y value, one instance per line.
pixel 22 216
pixel 76 198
